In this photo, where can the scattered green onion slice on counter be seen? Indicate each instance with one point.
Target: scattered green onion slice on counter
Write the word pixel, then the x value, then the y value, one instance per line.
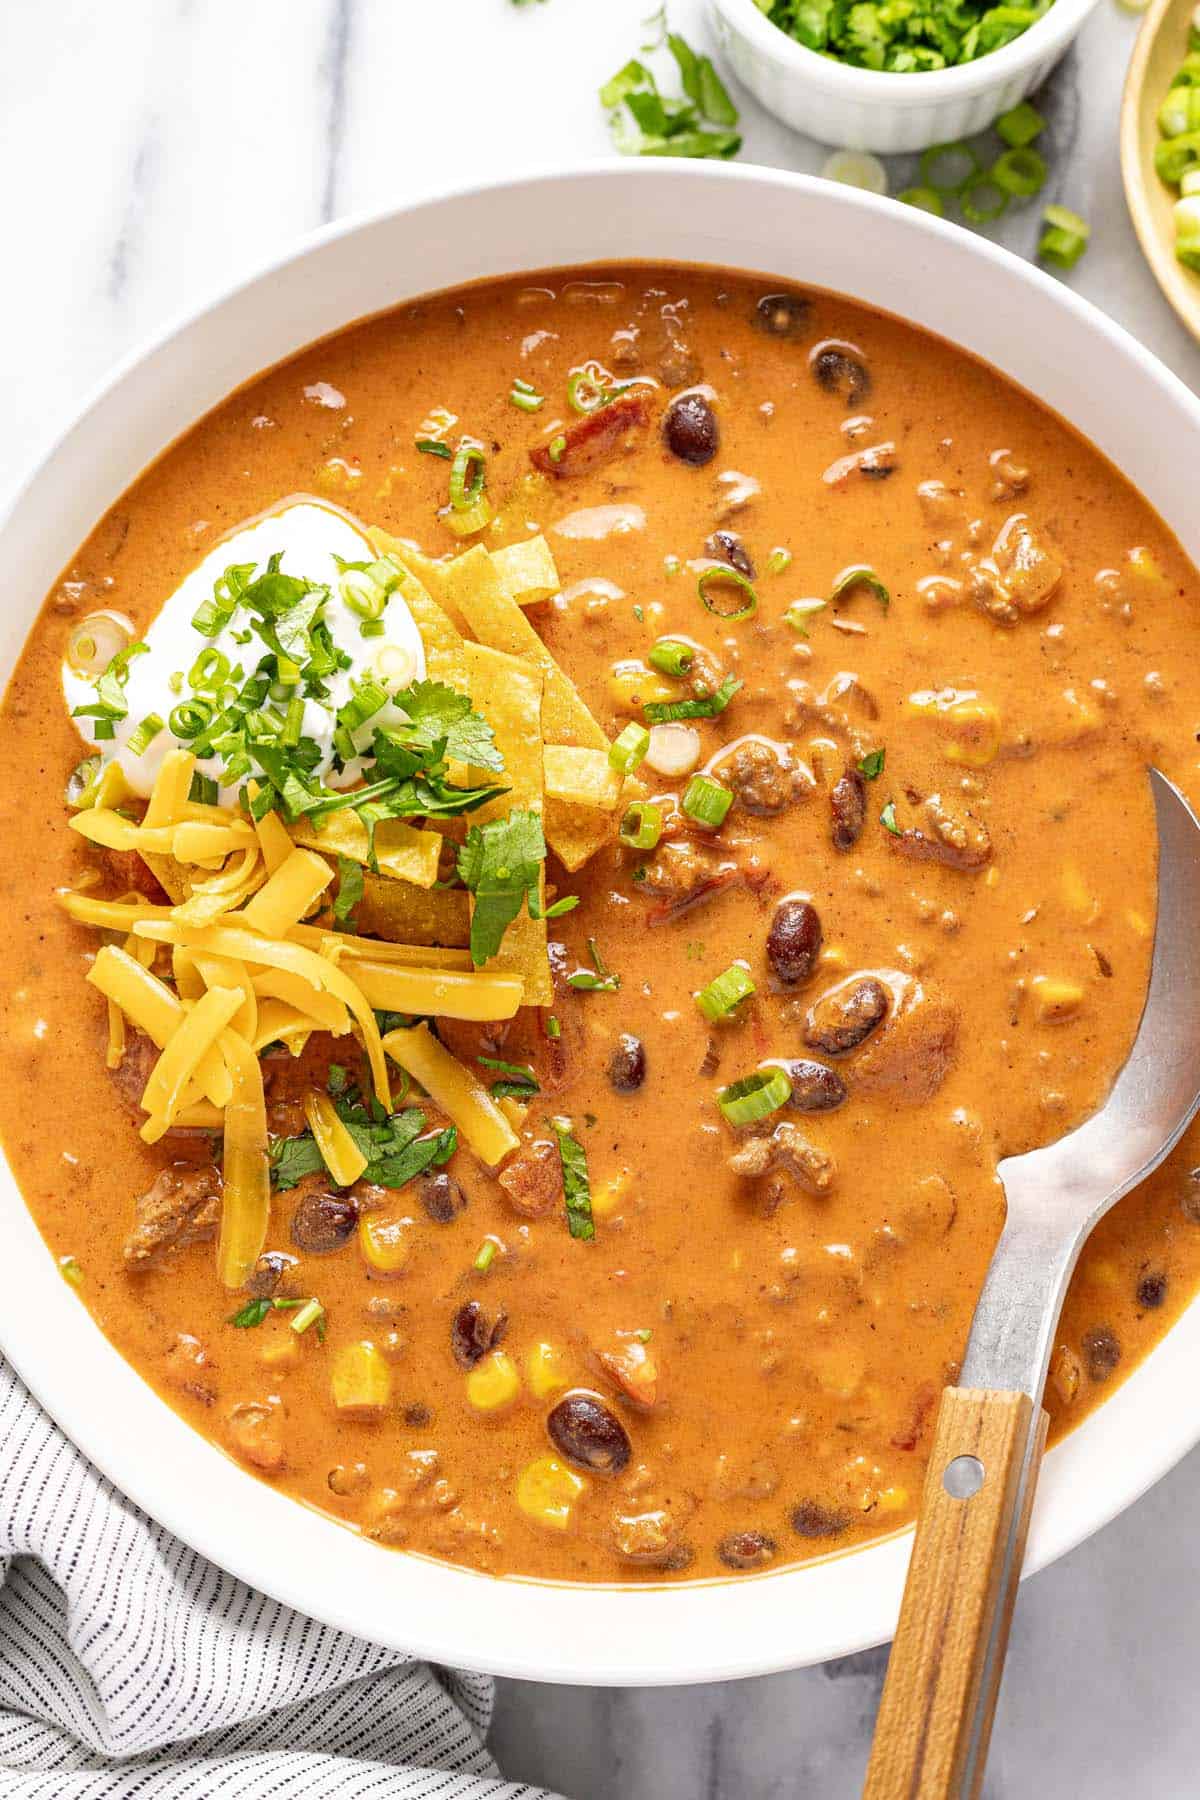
pixel 861 575
pixel 1065 238
pixel 467 477
pixel 670 657
pixel 706 801
pixel 629 748
pixel 925 199
pixel 948 167
pixel 1020 125
pixel 1021 172
pixel 754 1096
pixel 434 447
pixel 642 826
pixel 982 199
pixel 800 612
pixel 724 992
pixel 887 819
pixel 856 168
pixel 707 706
pixel 524 395
pixel 724 577
pixel 144 734
pixel 779 560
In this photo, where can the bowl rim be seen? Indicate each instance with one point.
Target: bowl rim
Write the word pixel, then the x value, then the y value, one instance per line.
pixel 1047 36
pixel 606 1635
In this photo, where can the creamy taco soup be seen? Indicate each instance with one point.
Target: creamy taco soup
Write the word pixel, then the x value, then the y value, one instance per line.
pixel 575 823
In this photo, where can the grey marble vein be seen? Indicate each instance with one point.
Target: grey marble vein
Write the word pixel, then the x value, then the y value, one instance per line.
pixel 333 68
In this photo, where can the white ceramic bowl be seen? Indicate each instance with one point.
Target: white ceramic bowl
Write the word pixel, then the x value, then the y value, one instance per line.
pixel 801 230
pixel 864 109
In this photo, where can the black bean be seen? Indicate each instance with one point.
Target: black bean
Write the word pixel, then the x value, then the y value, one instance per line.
pixel 848 804
pixel 473 1333
pixel 842 1019
pixel 1189 1199
pixel 323 1221
pixel 690 430
pixel 1152 1289
pixel 811 1520
pixel 589 1435
pixel 627 1064
pixel 815 1088
pixel 267 1275
pixel 746 1549
pixel 441 1196
pixel 728 547
pixel 840 369
pixel 1101 1352
pixel 794 941
pixel 782 315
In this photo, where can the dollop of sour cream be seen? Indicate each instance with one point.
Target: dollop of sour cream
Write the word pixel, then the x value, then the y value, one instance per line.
pixel 308 536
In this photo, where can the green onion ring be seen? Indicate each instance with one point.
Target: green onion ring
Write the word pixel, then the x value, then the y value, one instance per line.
pixel 732 578
pixel 755 1096
pixel 933 175
pixel 468 474
pixel 190 717
pixel 982 199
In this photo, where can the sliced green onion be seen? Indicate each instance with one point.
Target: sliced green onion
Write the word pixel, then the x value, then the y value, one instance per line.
pixel 434 447
pixel 1065 238
pixel 779 560
pixel 666 712
pixel 948 167
pixel 190 717
pixel 1180 112
pixel 982 199
pixel 925 199
pixel 887 819
pixel 175 681
pixel 642 825
pixel 670 657
pixel 311 1313
pixel 724 993
pixel 629 748
pixel 1020 125
pixel 366 590
pixel 144 734
pixel 1190 184
pixel 204 790
pixel 293 723
pixel 1021 172
pixel 209 671
pixel 672 565
pixel 558 448
pixel 860 576
pixel 743 608
pixel 856 168
pixel 526 396
pixel 755 1096
pixel 1175 156
pixel 467 477
pixel 553 1028
pixel 71 1272
pixel 706 801
pixel 367 699
pixel 800 612
pixel 485 1256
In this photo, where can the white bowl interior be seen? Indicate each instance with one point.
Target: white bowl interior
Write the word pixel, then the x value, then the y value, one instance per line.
pixel 806 231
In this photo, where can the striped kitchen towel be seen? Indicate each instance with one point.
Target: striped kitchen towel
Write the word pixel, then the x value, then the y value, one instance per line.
pixel 129 1666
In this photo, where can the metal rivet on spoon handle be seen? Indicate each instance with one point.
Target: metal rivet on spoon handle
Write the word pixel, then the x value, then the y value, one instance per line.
pixel 943 1676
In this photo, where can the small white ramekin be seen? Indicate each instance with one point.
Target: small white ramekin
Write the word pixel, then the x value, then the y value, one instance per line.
pixel 863 109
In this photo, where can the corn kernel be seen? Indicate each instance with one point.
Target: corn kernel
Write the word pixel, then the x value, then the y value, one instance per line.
pixel 1078 898
pixel 493 1383
pixel 547 1369
pixel 608 1196
pixel 1146 566
pixel 384 1241
pixel 279 1349
pixel 547 1490
pixel 1054 1000
pixel 892 1499
pixel 974 733
pixel 631 684
pixel 361 1381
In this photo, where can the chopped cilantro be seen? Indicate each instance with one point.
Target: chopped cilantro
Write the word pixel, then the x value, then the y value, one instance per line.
pixel 500 864
pixel 292 1159
pixel 520 1082
pixel 577 1190
pixel 663 712
pixel 646 122
pixel 603 981
pixel 900 36
pixel 872 763
pixel 349 891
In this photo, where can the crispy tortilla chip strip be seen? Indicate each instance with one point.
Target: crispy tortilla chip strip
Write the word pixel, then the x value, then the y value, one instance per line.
pixel 401 851
pixel 413 915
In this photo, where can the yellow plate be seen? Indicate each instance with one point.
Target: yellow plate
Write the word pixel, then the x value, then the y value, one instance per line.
pixel 1160 48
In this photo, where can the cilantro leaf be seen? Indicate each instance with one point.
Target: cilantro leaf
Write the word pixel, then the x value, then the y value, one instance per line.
pixel 444 724
pixel 350 890
pixel 292 1159
pixel 577 1189
pixel 500 864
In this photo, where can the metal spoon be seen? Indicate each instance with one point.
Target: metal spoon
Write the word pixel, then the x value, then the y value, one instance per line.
pixel 935 1718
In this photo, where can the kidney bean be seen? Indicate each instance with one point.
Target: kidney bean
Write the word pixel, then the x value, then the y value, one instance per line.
pixel 815 1087
pixel 323 1221
pixel 627 1064
pixel 794 941
pixel 848 804
pixel 746 1549
pixel 690 430
pixel 441 1196
pixel 846 1016
pixel 840 369
pixel 588 1434
pixel 473 1334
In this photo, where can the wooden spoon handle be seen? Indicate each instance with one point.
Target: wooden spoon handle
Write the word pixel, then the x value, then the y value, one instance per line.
pixel 943 1674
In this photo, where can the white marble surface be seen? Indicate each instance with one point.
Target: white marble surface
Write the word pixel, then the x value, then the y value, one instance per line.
pixel 156 150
